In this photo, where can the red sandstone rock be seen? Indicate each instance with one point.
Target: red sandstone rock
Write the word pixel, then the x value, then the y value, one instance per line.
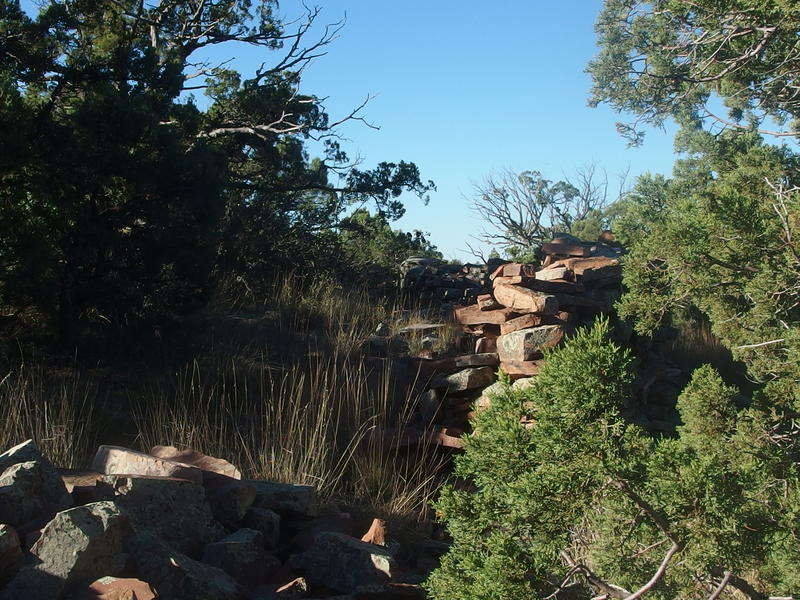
pixel 376 533
pixel 523 300
pixel 114 588
pixel 473 315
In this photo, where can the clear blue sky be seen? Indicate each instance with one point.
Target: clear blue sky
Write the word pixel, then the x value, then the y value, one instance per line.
pixel 467 88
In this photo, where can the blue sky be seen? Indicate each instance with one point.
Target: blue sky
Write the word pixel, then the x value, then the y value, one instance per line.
pixel 465 89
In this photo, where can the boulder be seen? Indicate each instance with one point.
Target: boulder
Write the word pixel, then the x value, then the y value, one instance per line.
pixel 429 404
pixel 468 379
pixel 230 499
pixel 178 577
pixel 485 359
pixel 485 399
pixel 473 315
pixel 115 460
pixel 285 497
pixel 527 344
pixel 376 533
pixel 173 510
pixel 24 493
pixel 266 521
pixel 551 273
pixel 523 322
pixel 306 537
pixel 10 553
pixel 487 302
pixel 51 486
pixel 523 300
pixel 78 545
pixel 344 564
pixel 242 556
pixel 518 369
pixel 523 383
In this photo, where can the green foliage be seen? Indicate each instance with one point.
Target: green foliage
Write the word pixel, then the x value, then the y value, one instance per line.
pixel 532 485
pixel 720 236
pixel 588 499
pixel 121 199
pixel 369 240
pixel 669 58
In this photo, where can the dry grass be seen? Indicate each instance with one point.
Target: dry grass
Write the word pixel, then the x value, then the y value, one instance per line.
pixel 55 410
pixel 308 411
pixel 325 423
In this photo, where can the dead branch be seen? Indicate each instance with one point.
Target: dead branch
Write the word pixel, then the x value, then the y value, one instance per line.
pixel 613 591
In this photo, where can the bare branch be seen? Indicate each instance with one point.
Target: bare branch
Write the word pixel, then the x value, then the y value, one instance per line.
pixel 722 585
pixel 614 591
pixel 662 568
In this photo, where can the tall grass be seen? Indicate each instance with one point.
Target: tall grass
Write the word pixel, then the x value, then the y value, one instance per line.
pixel 313 412
pixel 329 422
pixel 289 400
pixel 56 410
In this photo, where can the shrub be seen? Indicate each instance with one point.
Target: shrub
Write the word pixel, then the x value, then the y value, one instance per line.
pixel 585 503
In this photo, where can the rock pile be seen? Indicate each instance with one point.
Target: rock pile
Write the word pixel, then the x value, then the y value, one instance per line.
pixel 521 311
pixel 427 280
pixel 179 525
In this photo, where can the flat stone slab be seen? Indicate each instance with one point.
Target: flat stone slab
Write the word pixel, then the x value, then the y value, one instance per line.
pixel 116 460
pixel 468 379
pixel 197 459
pixel 523 300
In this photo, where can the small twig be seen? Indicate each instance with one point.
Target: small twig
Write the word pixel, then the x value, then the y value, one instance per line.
pixel 758 345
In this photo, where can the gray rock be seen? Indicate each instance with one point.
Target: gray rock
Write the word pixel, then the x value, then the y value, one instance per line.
pixel 267 521
pixel 468 379
pixel 242 556
pixel 285 497
pixel 488 393
pixel 173 510
pixel 178 577
pixel 523 384
pixel 22 493
pixel 484 359
pixel 78 545
pixel 50 485
pixel 527 344
pixel 230 499
pixel 344 564
pixel 10 553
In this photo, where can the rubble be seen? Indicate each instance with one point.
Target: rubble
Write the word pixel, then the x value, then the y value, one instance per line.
pixel 178 524
pixel 344 564
pixel 520 311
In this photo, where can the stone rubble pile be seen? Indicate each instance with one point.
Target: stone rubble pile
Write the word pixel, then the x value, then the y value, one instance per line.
pixel 518 312
pixel 427 280
pixel 179 525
